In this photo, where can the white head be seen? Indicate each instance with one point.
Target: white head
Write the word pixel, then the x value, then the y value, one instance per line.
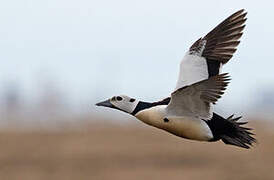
pixel 122 103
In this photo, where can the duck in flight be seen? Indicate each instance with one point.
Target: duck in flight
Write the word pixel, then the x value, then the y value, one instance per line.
pixel 188 112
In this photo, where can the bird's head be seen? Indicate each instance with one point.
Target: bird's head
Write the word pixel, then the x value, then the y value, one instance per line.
pixel 122 103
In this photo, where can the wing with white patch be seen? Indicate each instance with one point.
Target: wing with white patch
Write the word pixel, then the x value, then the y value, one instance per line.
pixel 193 68
pixel 195 100
pixel 206 56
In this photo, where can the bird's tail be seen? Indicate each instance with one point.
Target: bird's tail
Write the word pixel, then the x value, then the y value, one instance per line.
pixel 230 131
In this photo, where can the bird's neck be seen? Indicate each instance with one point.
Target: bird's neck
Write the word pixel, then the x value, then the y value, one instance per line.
pixel 146 105
pixel 141 106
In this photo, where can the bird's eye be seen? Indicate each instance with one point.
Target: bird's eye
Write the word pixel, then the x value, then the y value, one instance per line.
pixel 132 100
pixel 119 98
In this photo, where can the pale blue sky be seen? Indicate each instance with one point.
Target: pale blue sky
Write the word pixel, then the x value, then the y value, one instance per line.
pixel 94 49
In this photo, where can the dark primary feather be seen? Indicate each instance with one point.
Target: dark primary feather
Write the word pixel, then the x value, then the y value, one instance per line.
pixel 221 43
pixel 225 38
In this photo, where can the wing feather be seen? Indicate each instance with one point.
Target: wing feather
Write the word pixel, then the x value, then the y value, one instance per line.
pixel 225 35
pixel 195 100
pixel 206 56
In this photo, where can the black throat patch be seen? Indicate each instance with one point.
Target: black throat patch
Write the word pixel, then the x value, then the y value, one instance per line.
pixel 145 105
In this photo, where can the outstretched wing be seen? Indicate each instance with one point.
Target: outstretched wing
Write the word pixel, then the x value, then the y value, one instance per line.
pixel 222 41
pixel 206 56
pixel 195 100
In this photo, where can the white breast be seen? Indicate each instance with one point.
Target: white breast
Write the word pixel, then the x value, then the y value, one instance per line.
pixel 153 116
pixel 186 127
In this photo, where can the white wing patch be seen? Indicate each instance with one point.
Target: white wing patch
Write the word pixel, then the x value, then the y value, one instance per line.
pixel 193 68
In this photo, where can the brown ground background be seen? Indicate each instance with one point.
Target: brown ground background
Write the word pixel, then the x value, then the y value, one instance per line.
pixel 127 152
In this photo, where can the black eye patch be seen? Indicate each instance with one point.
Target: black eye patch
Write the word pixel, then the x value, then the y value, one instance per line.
pixel 119 98
pixel 132 100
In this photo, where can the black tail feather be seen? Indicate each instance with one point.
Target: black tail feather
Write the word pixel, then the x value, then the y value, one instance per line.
pixel 230 131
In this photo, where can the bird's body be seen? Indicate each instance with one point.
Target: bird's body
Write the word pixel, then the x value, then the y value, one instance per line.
pixel 182 126
pixel 188 112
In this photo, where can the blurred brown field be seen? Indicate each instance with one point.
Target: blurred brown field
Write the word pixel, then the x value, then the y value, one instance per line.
pixel 133 151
